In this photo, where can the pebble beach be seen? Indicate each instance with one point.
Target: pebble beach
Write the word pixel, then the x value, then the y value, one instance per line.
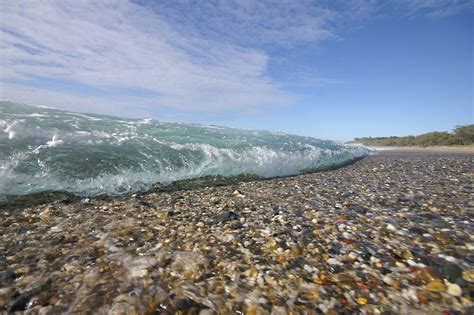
pixel 390 234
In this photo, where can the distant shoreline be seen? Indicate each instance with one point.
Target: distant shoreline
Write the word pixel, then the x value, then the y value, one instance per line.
pixel 457 149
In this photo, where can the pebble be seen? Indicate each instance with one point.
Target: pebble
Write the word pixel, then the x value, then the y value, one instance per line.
pixel 283 249
pixel 333 261
pixel 436 286
pixel 388 280
pixel 452 271
pixel 454 289
pixel 391 227
pixel 362 300
pixel 468 275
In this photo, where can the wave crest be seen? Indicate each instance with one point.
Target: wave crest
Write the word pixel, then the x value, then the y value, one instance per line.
pixel 44 149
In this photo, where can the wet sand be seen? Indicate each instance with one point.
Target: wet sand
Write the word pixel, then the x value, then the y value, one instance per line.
pixel 391 233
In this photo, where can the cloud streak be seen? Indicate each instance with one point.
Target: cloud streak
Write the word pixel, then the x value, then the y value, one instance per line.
pixel 437 8
pixel 117 44
pixel 114 56
pixel 255 23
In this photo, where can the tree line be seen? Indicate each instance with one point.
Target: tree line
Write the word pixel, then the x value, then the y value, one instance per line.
pixel 461 135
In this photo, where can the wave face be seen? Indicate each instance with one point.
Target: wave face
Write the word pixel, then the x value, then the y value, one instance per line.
pixel 44 149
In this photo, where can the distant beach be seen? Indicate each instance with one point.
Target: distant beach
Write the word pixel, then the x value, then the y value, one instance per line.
pixel 391 233
pixel 469 149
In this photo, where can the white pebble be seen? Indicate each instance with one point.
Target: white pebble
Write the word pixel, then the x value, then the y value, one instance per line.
pixel 353 255
pixel 411 262
pixel 454 289
pixel 391 227
pixel 333 261
pixel 402 232
pixel 388 280
pixel 55 229
pixel 347 235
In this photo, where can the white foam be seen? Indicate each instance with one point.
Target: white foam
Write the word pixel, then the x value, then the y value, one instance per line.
pixel 54 142
pixel 129 155
pixel 10 130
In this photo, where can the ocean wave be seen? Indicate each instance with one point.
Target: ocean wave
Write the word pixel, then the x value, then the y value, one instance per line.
pixel 44 149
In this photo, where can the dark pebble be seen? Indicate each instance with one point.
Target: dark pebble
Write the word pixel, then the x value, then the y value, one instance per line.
pixel 7 277
pixel 417 230
pixel 21 301
pixel 226 216
pixel 452 272
pixel 186 304
pixel 440 223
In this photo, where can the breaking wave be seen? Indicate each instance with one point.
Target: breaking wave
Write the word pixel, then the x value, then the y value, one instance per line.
pixel 45 149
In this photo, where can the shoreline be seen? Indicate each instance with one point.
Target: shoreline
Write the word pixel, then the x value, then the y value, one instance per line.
pixel 389 233
pixel 34 199
pixel 433 149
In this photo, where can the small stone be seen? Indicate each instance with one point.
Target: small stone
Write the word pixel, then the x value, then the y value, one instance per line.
pixel 388 280
pixel 391 227
pixel 56 229
pixel 122 308
pixel 399 264
pixel 423 297
pixel 454 289
pixel 226 216
pixel 468 275
pixel 252 310
pixel 333 261
pixel 278 310
pixel 45 310
pixel 295 250
pixel 417 230
pixel 427 275
pixel 7 277
pixel 45 214
pixel 362 300
pixel 352 256
pixel 452 271
pixel 436 286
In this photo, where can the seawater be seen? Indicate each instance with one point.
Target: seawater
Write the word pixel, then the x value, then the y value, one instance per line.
pixel 45 149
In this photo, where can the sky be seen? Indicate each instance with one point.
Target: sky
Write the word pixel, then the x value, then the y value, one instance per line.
pixel 330 69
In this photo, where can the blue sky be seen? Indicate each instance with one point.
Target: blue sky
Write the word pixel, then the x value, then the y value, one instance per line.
pixel 329 69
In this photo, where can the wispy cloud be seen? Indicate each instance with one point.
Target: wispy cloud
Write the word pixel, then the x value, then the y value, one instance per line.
pixel 189 56
pixel 437 8
pixel 247 22
pixel 117 44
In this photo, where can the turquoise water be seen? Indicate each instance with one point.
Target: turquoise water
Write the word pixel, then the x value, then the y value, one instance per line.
pixel 45 149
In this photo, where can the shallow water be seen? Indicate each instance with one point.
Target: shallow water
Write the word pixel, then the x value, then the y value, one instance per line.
pixel 44 149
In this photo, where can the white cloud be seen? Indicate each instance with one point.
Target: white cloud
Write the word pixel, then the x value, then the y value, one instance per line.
pixel 248 22
pixel 83 103
pixel 184 55
pixel 437 8
pixel 117 44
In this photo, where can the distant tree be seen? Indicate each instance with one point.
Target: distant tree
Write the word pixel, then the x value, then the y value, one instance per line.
pixel 462 135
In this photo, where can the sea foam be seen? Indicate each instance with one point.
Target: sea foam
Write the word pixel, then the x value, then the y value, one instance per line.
pixel 44 149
